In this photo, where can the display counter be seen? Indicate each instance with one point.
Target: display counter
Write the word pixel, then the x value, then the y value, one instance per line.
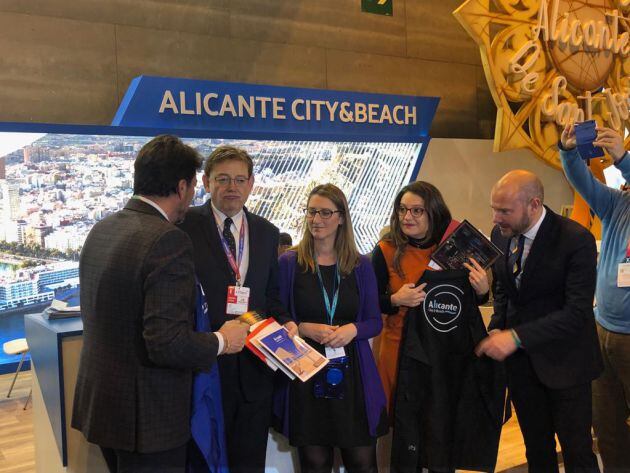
pixel 55 348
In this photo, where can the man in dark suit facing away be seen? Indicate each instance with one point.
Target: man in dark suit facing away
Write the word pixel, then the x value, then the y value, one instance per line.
pixel 133 391
pixel 543 323
pixel 236 253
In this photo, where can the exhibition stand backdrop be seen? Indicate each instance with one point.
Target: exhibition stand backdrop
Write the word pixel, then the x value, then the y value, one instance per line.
pixel 58 180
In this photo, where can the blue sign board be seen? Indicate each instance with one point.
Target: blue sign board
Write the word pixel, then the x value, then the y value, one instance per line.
pixel 270 112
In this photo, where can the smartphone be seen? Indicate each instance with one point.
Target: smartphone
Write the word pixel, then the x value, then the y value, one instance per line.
pixel 585 134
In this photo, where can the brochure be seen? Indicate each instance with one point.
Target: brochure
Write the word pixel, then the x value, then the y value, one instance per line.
pixel 291 354
pixel 65 304
pixel 464 243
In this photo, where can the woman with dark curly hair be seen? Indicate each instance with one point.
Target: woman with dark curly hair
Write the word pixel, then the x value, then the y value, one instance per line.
pixel 432 378
pixel 420 220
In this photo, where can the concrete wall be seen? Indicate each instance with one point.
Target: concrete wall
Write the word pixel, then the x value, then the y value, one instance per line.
pixel 71 61
pixel 466 170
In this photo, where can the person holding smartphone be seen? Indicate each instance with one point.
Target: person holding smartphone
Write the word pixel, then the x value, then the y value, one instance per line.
pixel 611 391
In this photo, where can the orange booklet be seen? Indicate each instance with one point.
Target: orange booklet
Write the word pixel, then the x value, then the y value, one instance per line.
pixel 256 330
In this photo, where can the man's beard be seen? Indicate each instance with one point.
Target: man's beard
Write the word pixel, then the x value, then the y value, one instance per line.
pixel 519 229
pixel 181 215
pixel 523 225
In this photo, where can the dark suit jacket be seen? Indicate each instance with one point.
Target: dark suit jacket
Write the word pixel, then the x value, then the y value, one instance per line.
pixel 139 349
pixel 215 275
pixel 552 312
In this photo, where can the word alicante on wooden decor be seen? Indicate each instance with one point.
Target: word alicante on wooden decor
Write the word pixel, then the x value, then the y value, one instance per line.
pixel 552 62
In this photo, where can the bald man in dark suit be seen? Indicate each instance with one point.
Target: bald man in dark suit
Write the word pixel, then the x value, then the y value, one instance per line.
pixel 543 324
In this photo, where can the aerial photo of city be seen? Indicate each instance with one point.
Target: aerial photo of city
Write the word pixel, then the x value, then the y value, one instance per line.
pixel 54 187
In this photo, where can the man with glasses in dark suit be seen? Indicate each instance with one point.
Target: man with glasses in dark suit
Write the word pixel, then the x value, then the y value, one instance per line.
pixel 543 324
pixel 133 391
pixel 236 261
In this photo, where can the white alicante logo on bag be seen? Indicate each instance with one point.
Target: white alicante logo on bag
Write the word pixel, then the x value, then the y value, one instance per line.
pixel 442 307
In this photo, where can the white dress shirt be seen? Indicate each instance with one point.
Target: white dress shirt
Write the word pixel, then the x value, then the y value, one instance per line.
pixel 152 204
pixel 527 246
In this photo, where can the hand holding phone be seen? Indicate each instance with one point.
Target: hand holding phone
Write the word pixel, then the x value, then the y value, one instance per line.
pixel 585 134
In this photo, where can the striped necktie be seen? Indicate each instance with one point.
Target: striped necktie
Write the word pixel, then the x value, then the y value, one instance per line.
pixel 516 257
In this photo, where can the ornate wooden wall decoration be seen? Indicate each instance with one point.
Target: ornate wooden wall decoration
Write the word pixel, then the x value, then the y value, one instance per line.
pixel 551 62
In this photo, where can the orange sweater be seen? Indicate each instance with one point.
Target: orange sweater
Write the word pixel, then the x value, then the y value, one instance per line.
pixel 414 263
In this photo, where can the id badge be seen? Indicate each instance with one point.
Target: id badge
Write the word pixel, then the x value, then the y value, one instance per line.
pixel 332 353
pixel 237 300
pixel 623 275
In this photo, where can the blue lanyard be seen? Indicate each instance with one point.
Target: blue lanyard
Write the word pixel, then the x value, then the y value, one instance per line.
pixel 330 310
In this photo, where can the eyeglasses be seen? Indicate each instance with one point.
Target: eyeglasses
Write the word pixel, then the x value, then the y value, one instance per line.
pixel 323 213
pixel 225 181
pixel 416 212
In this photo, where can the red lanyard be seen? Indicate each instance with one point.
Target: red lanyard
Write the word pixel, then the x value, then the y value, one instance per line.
pixel 240 250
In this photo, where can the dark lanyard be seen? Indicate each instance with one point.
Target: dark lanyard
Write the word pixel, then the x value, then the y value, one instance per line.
pixel 330 309
pixel 241 242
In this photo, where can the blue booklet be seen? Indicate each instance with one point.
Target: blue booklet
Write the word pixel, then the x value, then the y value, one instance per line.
pixel 295 354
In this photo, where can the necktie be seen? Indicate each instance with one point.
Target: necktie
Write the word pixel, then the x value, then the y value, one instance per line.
pixel 516 256
pixel 227 235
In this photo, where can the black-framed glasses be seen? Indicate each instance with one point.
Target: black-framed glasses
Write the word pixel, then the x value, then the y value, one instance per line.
pixel 416 212
pixel 224 181
pixel 310 212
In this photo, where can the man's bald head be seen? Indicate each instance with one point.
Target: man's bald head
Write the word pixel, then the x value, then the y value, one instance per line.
pixel 517 202
pixel 521 183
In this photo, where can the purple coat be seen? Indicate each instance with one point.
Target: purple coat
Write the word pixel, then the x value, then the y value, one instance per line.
pixel 369 324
